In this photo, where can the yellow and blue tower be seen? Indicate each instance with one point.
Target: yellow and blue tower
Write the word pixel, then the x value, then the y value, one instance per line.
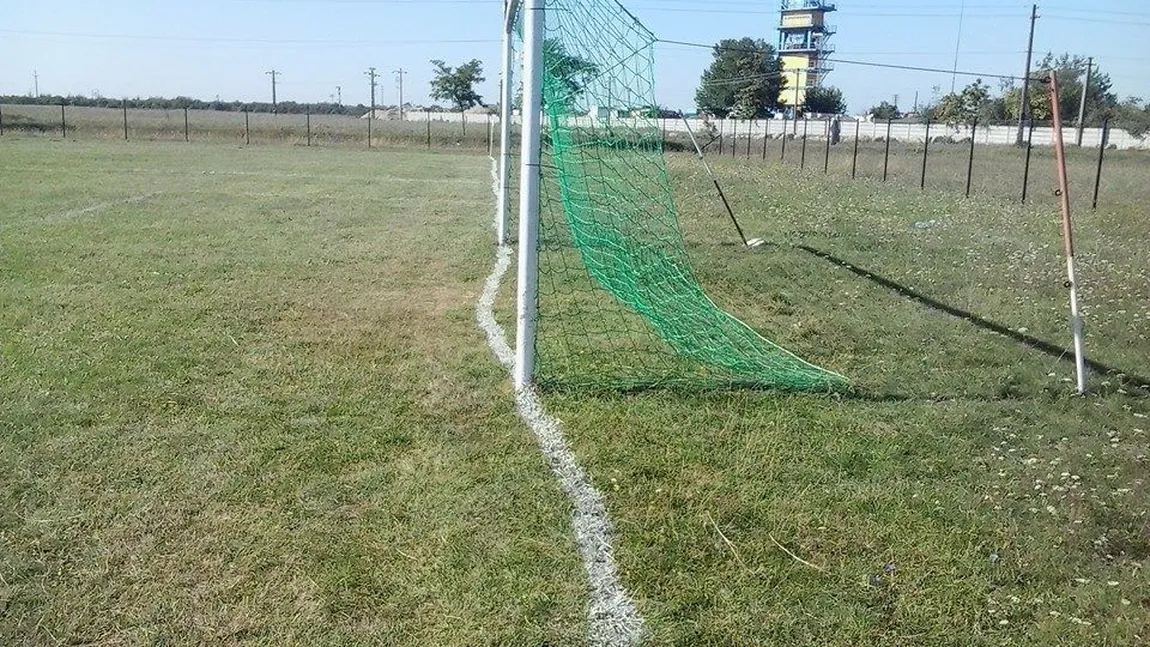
pixel 803 45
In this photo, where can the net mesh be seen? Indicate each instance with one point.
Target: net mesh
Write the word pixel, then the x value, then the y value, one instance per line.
pixel 619 304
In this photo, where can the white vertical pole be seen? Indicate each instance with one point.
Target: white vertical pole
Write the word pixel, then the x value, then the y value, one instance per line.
pixel 1076 324
pixel 529 172
pixel 505 116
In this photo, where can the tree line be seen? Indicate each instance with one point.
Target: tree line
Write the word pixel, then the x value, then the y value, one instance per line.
pixel 978 101
pixel 746 80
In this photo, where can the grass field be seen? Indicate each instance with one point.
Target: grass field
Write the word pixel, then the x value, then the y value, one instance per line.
pixel 86 123
pixel 243 401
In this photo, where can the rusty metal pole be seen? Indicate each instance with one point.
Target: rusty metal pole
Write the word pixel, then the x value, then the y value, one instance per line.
pixel 1067 233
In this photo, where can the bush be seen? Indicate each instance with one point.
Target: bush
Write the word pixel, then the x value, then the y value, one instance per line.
pixel 27 124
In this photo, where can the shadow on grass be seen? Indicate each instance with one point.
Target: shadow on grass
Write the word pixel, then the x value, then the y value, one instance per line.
pixel 1135 382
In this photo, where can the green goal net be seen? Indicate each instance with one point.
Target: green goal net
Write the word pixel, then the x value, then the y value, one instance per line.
pixel 619 304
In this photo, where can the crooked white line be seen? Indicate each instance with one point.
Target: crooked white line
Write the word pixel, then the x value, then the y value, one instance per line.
pixel 614 621
pixel 76 213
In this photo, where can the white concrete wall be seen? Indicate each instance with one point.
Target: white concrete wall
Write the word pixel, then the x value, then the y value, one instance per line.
pixel 816 129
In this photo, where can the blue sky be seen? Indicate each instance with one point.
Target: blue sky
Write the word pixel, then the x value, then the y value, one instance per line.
pixel 223 47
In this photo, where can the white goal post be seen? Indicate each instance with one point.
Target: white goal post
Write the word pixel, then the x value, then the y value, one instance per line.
pixel 529 174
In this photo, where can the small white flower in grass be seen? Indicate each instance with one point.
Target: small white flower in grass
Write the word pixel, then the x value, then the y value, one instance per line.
pixel 1112 583
pixel 1080 621
pixel 1055 614
pixel 1125 602
pixel 1051 509
pixel 1003 622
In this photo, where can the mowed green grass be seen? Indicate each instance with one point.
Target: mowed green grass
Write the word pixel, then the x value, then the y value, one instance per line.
pixel 250 406
pixel 243 401
pixel 962 495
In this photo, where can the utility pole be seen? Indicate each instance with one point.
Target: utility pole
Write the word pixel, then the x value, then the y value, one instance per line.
pixel 916 102
pixel 1024 109
pixel 957 44
pixel 275 105
pixel 371 115
pixel 371 75
pixel 36 84
pixel 1082 103
pixel 399 77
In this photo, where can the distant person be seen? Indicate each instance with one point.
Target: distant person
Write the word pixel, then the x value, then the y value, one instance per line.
pixel 836 129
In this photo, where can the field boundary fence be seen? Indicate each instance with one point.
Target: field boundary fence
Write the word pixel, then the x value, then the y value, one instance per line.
pixel 973 158
pixel 426 129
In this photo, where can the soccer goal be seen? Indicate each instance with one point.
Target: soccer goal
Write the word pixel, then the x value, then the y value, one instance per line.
pixel 607 297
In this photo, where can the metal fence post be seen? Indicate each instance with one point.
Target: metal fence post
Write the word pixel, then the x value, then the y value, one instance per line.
pixel 855 153
pixel 428 130
pixel 721 136
pixel 187 135
pixel 783 150
pixel 970 158
pixel 63 122
pixel 1101 153
pixel 247 127
pixel 827 149
pixel 766 136
pixel 886 153
pixel 124 105
pixel 925 150
pixel 307 114
pixel 803 155
pixel 1026 166
pixel 1 121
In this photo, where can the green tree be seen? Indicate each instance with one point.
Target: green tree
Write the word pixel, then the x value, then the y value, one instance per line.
pixel 963 107
pixel 457 85
pixel 825 101
pixel 744 79
pixel 1100 100
pixel 884 111
pixel 1132 117
pixel 572 73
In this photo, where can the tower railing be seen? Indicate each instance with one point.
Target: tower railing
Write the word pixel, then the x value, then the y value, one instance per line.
pixel 807 5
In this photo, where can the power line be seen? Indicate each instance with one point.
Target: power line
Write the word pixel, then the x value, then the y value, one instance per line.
pixel 1096 20
pixel 248 41
pixel 892 66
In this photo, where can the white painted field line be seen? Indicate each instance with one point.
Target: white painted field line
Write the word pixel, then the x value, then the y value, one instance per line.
pixel 76 213
pixel 613 619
